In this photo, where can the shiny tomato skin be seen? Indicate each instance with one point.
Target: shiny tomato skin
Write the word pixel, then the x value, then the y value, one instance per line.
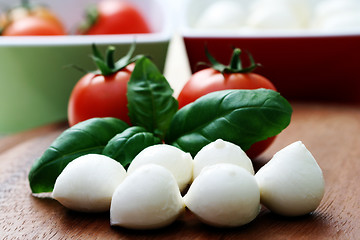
pixel 118 17
pixel 210 80
pixel 96 95
pixel 257 148
pixel 33 26
pixel 31 21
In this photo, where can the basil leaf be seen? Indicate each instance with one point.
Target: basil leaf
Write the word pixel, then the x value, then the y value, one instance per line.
pixel 89 136
pixel 242 117
pixel 150 101
pixel 126 145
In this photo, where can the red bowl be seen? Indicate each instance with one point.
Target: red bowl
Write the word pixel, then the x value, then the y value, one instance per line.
pixel 309 67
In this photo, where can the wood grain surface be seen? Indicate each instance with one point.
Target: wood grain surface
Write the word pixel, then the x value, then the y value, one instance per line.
pixel 331 133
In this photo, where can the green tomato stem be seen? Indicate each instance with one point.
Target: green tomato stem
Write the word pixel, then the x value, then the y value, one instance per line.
pixel 25 4
pixel 107 66
pixel 235 62
pixel 235 65
pixel 110 57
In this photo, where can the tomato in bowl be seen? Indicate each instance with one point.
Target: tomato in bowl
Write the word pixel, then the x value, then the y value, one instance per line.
pixel 36 77
pixel 305 64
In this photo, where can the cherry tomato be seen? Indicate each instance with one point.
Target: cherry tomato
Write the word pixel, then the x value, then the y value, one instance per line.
pixel 103 93
pixel 31 21
pixel 221 77
pixel 96 95
pixel 114 17
pixel 210 80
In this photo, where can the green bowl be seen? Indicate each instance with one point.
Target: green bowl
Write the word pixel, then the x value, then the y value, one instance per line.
pixel 36 80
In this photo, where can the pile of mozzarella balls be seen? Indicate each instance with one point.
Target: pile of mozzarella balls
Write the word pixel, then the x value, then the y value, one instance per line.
pixel 317 15
pixel 218 186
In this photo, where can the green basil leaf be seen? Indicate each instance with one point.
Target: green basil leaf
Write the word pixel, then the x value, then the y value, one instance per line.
pixel 126 145
pixel 150 101
pixel 89 136
pixel 242 117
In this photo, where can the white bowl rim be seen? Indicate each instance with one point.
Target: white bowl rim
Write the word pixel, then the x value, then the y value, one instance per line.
pixel 74 40
pixel 190 33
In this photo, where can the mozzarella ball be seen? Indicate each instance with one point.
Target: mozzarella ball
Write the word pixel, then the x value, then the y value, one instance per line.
pixel 224 195
pixel 342 22
pixel 147 199
pixel 223 14
pixel 291 183
pixel 87 183
pixel 221 151
pixel 279 14
pixel 337 15
pixel 329 8
pixel 178 162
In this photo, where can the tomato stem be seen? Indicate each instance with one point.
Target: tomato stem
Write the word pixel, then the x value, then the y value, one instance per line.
pixel 91 18
pixel 25 4
pixel 235 62
pixel 107 66
pixel 110 57
pixel 235 65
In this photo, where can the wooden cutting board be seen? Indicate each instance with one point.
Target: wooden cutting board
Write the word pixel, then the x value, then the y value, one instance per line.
pixel 331 133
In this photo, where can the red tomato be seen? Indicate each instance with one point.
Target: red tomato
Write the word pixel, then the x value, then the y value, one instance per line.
pixel 96 95
pixel 257 148
pixel 221 77
pixel 31 21
pixel 210 80
pixel 32 26
pixel 114 17
pixel 103 94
